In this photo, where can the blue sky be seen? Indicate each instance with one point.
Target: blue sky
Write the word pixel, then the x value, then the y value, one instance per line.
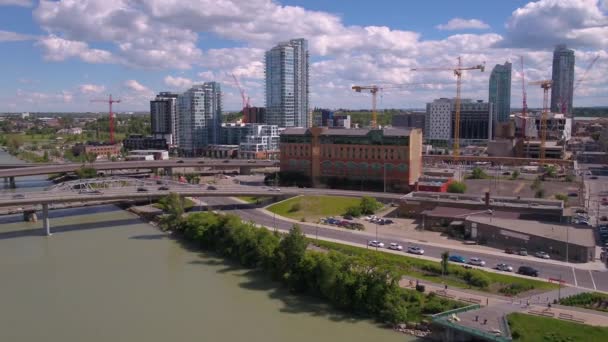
pixel 58 55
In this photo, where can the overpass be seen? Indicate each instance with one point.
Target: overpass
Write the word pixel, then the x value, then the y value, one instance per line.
pixel 35 169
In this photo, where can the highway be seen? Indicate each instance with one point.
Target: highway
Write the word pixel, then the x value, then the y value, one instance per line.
pixel 570 274
pixel 33 169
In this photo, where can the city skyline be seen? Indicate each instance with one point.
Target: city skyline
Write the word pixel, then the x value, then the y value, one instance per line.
pixel 61 55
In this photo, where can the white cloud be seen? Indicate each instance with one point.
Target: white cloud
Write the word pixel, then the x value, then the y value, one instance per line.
pixel 59 49
pixel 22 3
pixel 463 24
pixel 542 24
pixel 178 82
pixel 7 36
pixel 136 86
pixel 91 88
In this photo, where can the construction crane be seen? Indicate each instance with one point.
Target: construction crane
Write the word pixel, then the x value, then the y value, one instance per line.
pixel 524 106
pixel 109 101
pixel 458 73
pixel 545 85
pixel 244 98
pixel 374 89
pixel 564 104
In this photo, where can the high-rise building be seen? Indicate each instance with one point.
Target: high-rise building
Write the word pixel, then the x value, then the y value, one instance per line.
pixel 163 117
pixel 500 91
pixel 287 89
pixel 562 88
pixel 476 123
pixel 409 120
pixel 199 112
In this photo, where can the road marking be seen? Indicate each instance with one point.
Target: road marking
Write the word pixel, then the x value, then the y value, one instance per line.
pixel 575 281
pixel 593 281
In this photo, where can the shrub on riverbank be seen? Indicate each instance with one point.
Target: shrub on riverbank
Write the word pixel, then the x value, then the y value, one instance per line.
pixel 362 285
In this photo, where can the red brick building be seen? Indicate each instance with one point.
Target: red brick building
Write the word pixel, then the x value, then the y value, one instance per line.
pixel 375 159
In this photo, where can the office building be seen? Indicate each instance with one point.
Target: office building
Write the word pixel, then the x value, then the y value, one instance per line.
pixel 163 117
pixel 409 120
pixel 199 112
pixel 500 92
pixel 562 88
pixel 140 142
pixel 254 114
pixel 375 159
pixel 287 89
pixel 476 123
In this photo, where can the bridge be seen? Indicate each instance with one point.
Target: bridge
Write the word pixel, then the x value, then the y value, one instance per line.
pixel 244 166
pixel 115 189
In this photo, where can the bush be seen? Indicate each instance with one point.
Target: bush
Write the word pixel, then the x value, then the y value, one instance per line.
pixel 478 173
pixel 295 207
pixel 369 205
pixel 353 211
pixel 457 188
pixel 515 288
pixel 561 197
pixel 475 278
pixel 515 174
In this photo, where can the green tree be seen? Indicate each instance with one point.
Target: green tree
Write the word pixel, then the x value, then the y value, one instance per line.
pixel 173 206
pixel 478 173
pixel 515 174
pixel 457 187
pixel 90 157
pixel 353 211
pixel 369 205
pixel 45 156
pixel 86 172
pixel 445 257
pixel 291 250
pixel 551 171
pixel 394 310
pixel 561 197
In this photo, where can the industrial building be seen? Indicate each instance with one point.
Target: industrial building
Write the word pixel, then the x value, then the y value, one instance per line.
pixel 287 87
pixel 102 150
pixel 378 159
pixel 476 121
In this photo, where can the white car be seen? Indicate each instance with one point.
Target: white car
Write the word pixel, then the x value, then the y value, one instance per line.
pixel 542 255
pixel 395 246
pixel 375 243
pixel 415 250
pixel 477 262
pixel 504 267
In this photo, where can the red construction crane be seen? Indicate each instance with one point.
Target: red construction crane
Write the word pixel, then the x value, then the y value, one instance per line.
pixel 244 98
pixel 458 73
pixel 109 101
pixel 546 85
pixel 374 89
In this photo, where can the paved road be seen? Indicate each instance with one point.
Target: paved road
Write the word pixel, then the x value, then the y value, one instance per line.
pixel 583 278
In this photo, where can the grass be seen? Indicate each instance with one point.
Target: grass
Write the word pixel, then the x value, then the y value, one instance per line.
pixel 528 328
pixel 251 199
pixel 313 208
pixel 426 270
pixel 588 300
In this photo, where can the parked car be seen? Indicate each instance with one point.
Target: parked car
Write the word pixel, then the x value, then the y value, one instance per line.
pixel 251 161
pixel 201 162
pixel 593 177
pixel 226 161
pixel 211 187
pixel 377 244
pixel 18 196
pixel 395 246
pixel 542 255
pixel 163 188
pixel 580 211
pixel 506 173
pixel 572 194
pixel 180 161
pixel 388 221
pixel 527 270
pixel 477 262
pixel 504 267
pixel 458 258
pixel 415 250
pixel 523 251
pixel 509 250
pixel 348 217
pixel 159 182
pixel 142 189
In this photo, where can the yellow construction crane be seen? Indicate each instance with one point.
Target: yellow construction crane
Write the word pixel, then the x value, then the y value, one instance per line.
pixel 458 73
pixel 546 85
pixel 374 89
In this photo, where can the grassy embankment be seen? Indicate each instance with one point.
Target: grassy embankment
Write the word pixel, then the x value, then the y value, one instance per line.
pixel 528 328
pixel 588 300
pixel 251 199
pixel 312 208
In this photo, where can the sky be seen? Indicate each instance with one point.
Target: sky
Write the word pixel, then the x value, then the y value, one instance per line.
pixel 59 55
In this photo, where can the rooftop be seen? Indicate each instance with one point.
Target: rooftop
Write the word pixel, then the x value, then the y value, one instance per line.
pixel 389 132
pixel 577 236
pixel 463 213
pixel 477 199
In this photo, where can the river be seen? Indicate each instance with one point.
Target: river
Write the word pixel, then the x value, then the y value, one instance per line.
pixel 105 275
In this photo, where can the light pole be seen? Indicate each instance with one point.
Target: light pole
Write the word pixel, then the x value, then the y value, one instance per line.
pixel 377 242
pixel 567 243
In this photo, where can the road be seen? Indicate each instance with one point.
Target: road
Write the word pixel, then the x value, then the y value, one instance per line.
pixel 570 274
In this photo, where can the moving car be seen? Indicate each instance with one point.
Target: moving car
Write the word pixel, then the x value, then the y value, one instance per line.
pixel 542 255
pixel 141 189
pixel 377 244
pixel 18 196
pixel 458 258
pixel 415 250
pixel 477 262
pixel 163 188
pixel 274 189
pixel 211 187
pixel 395 246
pixel 527 270
pixel 504 267
pixel 180 161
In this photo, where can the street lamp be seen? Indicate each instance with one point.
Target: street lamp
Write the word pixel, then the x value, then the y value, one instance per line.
pixel 377 242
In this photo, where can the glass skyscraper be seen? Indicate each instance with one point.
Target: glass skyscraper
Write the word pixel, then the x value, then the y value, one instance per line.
pixel 287 88
pixel 200 117
pixel 500 91
pixel 562 89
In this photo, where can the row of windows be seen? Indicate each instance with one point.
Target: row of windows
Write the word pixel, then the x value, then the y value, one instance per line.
pixel 351 166
pixel 355 152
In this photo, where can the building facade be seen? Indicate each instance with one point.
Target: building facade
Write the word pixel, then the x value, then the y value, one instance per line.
pixel 409 120
pixel 199 112
pixel 476 123
pixel 262 143
pixel 254 114
pixel 102 150
pixel 163 117
pixel 562 88
pixel 287 88
pixel 500 92
pixel 389 159
pixel 140 142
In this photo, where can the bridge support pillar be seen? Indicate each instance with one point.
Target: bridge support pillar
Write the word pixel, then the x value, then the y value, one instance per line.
pixel 30 216
pixel 169 171
pixel 11 181
pixel 245 170
pixel 46 224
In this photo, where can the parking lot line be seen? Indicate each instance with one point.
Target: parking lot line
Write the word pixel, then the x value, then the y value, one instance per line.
pixel 592 280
